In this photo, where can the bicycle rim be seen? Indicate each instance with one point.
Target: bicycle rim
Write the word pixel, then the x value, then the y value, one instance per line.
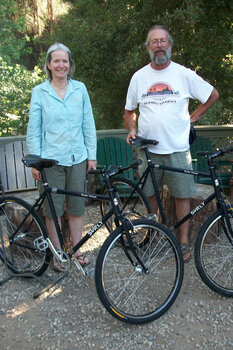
pixel 20 231
pixel 214 254
pixel 125 290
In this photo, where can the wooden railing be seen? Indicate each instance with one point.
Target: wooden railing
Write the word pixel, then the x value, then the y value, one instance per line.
pixel 220 135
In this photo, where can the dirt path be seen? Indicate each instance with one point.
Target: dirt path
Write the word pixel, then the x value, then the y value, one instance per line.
pixel 72 317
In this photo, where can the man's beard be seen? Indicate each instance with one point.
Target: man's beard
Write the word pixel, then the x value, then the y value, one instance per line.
pixel 159 60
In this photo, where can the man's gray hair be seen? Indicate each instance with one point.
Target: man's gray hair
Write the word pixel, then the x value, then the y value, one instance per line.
pixel 56 47
pixel 159 26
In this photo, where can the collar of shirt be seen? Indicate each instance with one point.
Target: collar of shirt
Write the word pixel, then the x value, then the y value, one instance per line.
pixel 70 89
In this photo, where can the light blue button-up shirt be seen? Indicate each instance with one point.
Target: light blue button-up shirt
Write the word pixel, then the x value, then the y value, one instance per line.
pixel 62 129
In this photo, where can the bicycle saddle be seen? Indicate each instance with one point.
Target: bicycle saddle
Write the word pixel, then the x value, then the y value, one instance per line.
pixel 140 141
pixel 34 161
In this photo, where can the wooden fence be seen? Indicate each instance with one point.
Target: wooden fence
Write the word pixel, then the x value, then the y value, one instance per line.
pixel 220 135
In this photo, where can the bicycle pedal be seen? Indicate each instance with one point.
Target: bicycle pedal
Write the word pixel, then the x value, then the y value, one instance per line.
pixel 152 216
pixel 40 243
pixel 90 272
pixel 79 266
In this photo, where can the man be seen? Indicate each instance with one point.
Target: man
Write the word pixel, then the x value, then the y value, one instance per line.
pixel 162 90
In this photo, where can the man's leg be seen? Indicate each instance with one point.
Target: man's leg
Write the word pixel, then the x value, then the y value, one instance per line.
pixel 182 209
pixel 153 204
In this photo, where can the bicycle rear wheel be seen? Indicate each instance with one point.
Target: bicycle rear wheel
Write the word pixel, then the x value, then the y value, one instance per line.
pixel 22 231
pixel 214 254
pixel 126 291
pixel 132 201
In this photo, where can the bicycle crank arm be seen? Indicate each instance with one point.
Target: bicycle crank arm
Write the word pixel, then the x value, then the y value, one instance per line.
pixel 58 254
pixel 79 266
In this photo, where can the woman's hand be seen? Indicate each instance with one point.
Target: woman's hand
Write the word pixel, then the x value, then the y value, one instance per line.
pixel 36 174
pixel 91 164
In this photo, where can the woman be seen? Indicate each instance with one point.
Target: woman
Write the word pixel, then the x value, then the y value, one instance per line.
pixel 61 126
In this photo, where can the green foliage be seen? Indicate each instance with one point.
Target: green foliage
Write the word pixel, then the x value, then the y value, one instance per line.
pixel 12 25
pixel 107 38
pixel 107 41
pixel 16 83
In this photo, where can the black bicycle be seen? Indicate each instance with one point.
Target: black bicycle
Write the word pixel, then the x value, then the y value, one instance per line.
pixel 139 268
pixel 214 243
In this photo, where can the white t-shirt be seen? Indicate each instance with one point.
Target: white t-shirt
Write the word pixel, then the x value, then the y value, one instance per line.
pixel 163 99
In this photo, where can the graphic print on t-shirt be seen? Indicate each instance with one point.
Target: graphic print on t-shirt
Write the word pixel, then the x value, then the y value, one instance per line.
pixel 160 93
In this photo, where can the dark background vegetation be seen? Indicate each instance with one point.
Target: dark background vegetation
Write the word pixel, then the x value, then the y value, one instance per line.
pixel 107 38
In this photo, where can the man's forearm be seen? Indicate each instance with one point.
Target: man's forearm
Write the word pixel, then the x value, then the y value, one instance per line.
pixel 203 108
pixel 130 119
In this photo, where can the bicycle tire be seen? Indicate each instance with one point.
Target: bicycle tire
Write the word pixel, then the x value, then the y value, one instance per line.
pixel 132 201
pixel 214 254
pixel 21 227
pixel 128 293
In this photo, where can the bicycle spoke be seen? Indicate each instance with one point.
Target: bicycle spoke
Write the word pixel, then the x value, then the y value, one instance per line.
pixel 214 255
pixel 125 288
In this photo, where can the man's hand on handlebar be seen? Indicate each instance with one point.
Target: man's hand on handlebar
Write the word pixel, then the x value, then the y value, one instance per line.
pixel 131 134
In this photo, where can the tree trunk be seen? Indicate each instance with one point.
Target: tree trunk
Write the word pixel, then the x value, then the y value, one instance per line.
pixel 50 15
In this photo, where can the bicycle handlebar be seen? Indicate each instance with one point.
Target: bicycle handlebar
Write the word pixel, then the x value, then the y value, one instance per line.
pixel 112 170
pixel 215 154
pixel 142 143
pixel 34 161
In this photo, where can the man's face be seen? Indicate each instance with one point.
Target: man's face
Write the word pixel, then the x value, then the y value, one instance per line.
pixel 159 46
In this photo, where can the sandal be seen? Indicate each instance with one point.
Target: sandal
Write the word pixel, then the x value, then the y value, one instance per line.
pixel 185 251
pixel 55 268
pixel 82 259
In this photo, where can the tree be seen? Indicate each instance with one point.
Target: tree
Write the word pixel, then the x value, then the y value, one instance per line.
pixel 12 25
pixel 21 23
pixel 16 83
pixel 106 38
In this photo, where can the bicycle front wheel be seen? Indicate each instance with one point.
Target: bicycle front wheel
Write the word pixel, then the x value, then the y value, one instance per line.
pixel 126 290
pixel 132 202
pixel 214 254
pixel 22 235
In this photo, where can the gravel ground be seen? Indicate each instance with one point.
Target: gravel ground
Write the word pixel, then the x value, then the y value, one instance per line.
pixel 71 316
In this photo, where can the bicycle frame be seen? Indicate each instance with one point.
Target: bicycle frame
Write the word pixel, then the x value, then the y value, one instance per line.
pixel 212 174
pixel 47 194
pixel 115 210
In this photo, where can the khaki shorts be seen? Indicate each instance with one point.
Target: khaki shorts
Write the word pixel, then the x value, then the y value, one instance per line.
pixel 180 185
pixel 69 178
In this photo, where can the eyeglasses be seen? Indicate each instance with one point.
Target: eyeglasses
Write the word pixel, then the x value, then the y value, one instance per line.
pixel 161 41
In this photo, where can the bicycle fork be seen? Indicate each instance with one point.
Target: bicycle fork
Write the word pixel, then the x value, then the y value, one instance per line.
pixel 132 248
pixel 226 224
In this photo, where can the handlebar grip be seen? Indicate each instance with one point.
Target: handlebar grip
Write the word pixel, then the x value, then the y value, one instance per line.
pixel 96 171
pixel 113 170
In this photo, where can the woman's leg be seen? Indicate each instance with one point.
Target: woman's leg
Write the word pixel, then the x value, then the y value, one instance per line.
pixel 52 231
pixel 76 229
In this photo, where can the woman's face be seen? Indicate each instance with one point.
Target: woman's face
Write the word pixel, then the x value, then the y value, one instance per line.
pixel 59 64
